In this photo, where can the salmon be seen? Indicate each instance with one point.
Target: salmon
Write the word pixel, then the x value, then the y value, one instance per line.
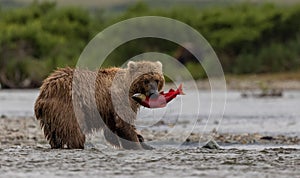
pixel 160 101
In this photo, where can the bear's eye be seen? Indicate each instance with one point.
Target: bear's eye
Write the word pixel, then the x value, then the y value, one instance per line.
pixel 157 81
pixel 146 82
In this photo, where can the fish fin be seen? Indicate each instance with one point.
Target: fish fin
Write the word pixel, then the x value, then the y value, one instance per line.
pixel 180 90
pixel 171 90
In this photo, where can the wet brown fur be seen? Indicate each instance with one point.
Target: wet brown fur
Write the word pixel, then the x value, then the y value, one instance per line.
pixel 62 126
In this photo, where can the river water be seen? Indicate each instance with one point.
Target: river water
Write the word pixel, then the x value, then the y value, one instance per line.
pixel 186 114
pixel 264 115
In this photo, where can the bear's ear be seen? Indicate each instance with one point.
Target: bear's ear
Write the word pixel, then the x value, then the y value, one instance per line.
pixel 132 65
pixel 159 65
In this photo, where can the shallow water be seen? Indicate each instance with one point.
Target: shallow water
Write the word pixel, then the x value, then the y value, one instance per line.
pixel 264 115
pixel 241 115
pixel 271 116
pixel 17 103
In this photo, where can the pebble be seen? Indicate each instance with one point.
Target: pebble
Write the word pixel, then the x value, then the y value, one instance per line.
pixel 212 145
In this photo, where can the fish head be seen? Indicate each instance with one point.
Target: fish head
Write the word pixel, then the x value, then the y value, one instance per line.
pixel 139 97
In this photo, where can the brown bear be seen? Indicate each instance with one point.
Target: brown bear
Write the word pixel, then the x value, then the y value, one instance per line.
pixel 73 102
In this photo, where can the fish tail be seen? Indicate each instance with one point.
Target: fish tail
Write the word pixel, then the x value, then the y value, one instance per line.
pixel 180 90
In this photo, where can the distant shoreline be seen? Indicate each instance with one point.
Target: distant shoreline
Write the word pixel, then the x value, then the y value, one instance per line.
pixel 284 81
pixel 249 84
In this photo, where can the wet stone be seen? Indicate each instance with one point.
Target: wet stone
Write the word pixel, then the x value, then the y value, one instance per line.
pixel 212 145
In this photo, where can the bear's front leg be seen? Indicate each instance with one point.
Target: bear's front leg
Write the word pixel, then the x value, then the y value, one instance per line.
pixel 144 145
pixel 127 135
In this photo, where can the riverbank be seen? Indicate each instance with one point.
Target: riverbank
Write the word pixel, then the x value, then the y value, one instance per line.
pixel 25 153
pixel 282 81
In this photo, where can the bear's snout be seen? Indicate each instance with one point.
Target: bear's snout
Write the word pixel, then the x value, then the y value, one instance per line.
pixel 153 89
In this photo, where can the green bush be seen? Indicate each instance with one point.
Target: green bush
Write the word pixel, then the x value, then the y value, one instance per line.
pixel 43 36
pixel 248 38
pixel 196 70
pixel 276 57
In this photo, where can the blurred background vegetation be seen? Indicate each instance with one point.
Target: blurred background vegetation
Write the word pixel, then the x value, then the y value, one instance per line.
pixel 248 37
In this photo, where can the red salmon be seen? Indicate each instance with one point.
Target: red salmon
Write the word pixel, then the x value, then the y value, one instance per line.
pixel 160 101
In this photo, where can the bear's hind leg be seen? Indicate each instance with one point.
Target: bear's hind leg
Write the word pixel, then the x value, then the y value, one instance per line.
pixel 51 134
pixel 74 137
pixel 75 141
pixel 55 141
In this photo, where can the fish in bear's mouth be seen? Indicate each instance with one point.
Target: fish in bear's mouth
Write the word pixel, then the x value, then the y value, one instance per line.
pixel 159 100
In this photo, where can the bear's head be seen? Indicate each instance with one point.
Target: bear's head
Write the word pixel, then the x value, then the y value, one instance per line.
pixel 147 77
